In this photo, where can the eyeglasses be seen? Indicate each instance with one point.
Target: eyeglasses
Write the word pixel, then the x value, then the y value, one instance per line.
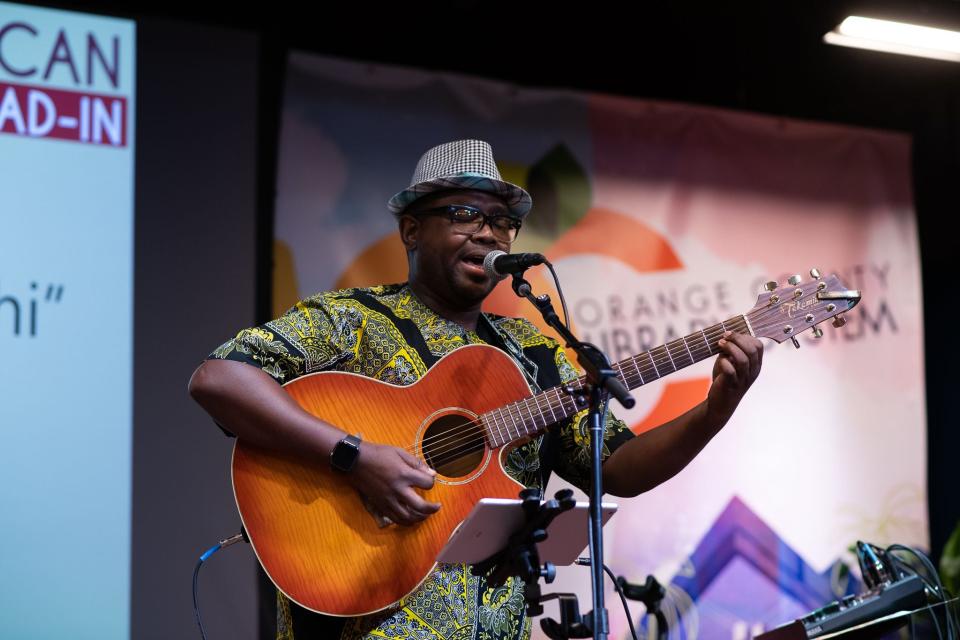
pixel 469 220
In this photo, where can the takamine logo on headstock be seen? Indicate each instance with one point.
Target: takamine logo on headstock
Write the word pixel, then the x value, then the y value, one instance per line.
pixel 784 311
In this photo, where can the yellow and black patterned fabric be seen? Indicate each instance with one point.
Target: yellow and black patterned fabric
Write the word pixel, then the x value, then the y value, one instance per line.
pixel 386 333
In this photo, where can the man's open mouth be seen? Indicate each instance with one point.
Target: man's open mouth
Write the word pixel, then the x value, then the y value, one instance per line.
pixel 474 259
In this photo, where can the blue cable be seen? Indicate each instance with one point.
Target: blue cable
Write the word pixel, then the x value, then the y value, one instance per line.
pixel 196 572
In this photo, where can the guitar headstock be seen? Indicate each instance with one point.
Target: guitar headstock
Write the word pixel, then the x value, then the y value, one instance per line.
pixel 784 311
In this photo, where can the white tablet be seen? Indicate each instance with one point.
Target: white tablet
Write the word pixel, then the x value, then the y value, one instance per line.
pixel 487 529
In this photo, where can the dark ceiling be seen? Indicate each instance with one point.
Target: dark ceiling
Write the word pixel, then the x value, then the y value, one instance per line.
pixel 764 56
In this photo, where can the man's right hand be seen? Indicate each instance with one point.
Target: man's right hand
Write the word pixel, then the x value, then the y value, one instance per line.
pixel 386 477
pixel 256 409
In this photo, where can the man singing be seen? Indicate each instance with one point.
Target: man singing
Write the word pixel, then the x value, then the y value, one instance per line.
pixel 456 211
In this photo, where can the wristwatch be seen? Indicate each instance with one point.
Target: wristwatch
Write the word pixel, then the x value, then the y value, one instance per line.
pixel 344 455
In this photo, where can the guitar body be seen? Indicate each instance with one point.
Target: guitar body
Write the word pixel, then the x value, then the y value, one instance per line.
pixel 312 532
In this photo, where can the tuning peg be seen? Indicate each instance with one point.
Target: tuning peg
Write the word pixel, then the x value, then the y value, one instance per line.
pixel 770 286
pixel 795 279
pixel 839 321
pixel 817 332
pixel 815 273
pixel 795 343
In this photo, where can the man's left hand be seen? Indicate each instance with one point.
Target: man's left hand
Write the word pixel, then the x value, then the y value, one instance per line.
pixel 735 369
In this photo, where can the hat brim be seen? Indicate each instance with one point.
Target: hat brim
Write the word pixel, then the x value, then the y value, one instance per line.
pixel 517 200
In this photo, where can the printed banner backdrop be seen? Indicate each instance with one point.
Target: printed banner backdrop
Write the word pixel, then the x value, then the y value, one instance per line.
pixel 67 91
pixel 663 219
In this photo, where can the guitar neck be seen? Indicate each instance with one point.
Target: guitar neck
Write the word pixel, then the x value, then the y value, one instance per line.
pixel 534 414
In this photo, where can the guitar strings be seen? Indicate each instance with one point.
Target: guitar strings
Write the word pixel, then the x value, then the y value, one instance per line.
pixel 458 441
pixel 445 445
pixel 458 444
pixel 515 414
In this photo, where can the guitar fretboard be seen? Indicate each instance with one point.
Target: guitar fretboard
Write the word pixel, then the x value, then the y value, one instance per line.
pixel 534 414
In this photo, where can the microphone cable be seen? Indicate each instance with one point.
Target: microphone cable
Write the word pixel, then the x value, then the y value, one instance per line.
pixel 563 301
pixel 585 562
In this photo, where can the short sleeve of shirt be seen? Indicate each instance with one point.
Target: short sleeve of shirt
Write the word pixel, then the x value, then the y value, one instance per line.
pixel 573 461
pixel 309 337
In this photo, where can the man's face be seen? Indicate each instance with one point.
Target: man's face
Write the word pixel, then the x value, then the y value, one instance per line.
pixel 449 265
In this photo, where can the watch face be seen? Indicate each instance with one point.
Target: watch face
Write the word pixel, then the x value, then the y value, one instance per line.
pixel 345 454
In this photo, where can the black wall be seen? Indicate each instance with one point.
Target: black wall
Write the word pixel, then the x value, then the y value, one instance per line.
pixel 194 287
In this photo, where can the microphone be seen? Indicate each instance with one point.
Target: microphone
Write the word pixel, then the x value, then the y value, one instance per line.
pixel 500 264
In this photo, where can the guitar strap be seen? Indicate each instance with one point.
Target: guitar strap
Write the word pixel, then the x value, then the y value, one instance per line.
pixel 490 333
pixel 539 379
pixel 408 328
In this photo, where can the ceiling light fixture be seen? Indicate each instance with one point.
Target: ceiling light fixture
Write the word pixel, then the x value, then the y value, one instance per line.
pixel 896 37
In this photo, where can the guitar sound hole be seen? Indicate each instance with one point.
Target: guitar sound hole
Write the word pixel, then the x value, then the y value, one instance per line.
pixel 453 445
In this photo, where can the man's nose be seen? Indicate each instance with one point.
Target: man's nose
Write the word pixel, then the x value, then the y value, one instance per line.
pixel 484 234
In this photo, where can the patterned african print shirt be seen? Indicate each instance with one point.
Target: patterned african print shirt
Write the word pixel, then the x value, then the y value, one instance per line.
pixel 387 333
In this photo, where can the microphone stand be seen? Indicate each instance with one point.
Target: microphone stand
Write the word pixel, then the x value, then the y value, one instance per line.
pixel 601 382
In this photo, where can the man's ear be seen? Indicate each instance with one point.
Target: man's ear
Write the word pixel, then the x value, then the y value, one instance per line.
pixel 409 231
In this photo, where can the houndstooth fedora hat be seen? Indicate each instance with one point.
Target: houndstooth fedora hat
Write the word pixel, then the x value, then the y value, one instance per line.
pixel 462 164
